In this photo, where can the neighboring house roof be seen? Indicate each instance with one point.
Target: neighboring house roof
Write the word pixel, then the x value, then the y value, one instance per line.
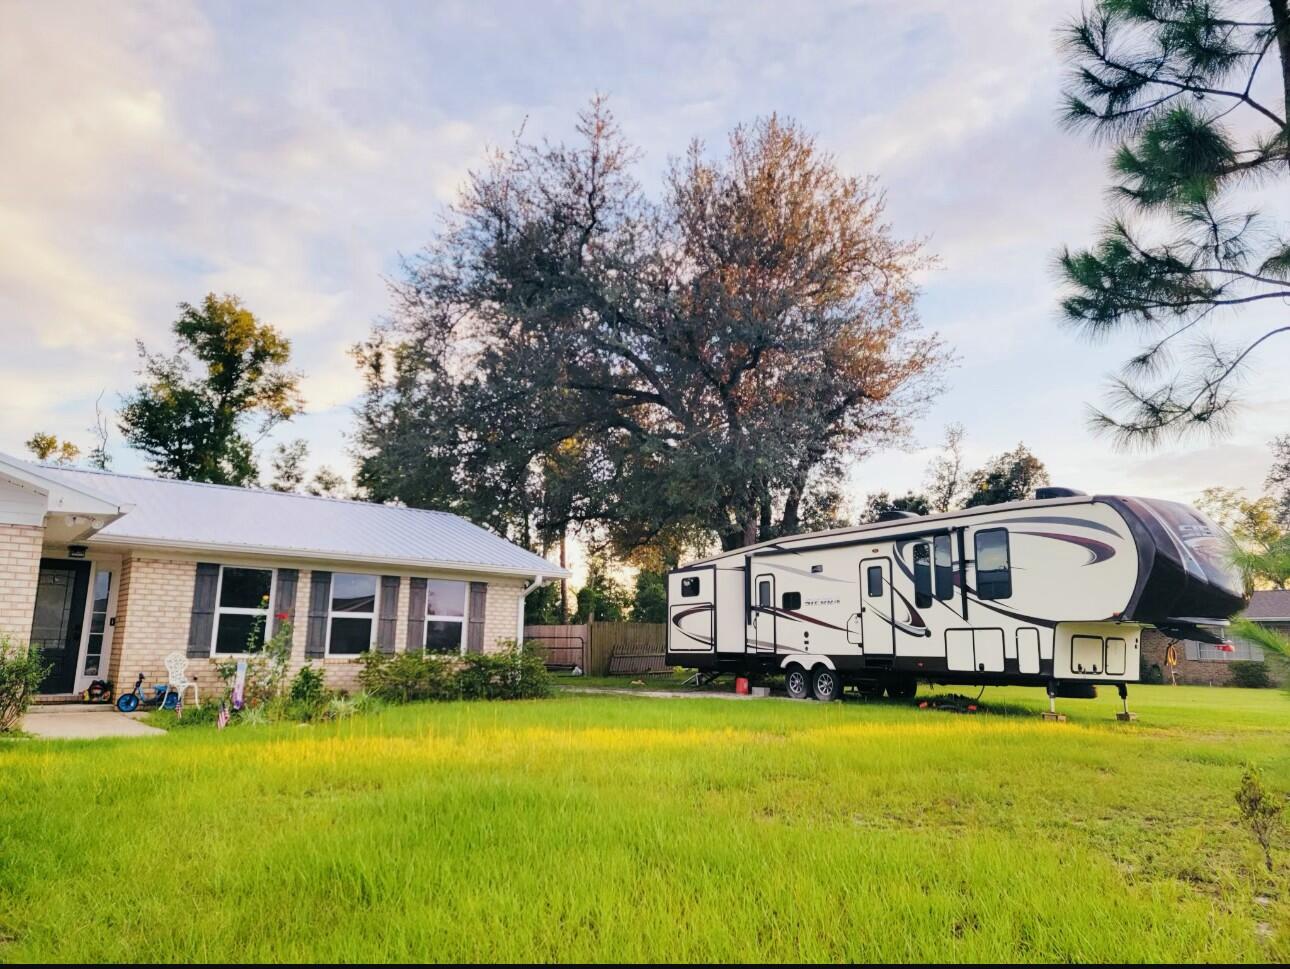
pixel 185 514
pixel 1270 605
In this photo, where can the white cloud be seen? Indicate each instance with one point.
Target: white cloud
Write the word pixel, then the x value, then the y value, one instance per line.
pixel 155 151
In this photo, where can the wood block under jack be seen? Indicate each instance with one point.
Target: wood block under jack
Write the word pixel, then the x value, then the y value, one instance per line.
pixel 1126 716
pixel 1055 717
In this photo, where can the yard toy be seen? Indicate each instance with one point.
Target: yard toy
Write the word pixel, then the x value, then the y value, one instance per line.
pixel 162 697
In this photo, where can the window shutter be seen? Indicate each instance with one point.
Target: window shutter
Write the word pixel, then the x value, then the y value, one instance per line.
pixel 478 609
pixel 388 617
pixel 316 631
pixel 201 624
pixel 416 615
pixel 284 597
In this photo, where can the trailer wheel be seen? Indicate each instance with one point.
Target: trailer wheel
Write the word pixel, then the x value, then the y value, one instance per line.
pixel 825 684
pixel 796 683
pixel 902 688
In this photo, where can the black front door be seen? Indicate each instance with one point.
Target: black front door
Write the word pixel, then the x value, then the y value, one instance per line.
pixel 56 625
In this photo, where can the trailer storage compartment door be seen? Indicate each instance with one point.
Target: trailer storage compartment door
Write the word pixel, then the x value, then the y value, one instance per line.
pixel 691 610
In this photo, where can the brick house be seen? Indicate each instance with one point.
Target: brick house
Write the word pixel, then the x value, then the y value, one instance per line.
pixel 107 573
pixel 1209 665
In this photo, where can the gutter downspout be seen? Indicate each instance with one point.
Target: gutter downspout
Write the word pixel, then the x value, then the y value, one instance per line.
pixel 538 580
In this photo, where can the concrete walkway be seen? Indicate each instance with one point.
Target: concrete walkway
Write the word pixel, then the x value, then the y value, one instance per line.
pixel 80 721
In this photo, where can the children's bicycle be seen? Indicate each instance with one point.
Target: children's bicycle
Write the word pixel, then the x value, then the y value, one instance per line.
pixel 162 697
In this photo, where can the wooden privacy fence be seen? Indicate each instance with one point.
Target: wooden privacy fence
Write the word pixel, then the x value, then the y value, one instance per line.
pixel 603 648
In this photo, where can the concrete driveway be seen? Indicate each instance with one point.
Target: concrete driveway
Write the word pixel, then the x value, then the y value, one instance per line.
pixel 76 721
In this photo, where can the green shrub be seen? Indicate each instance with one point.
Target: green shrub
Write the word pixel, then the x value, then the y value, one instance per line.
pixel 308 687
pixel 1250 673
pixel 401 677
pixel 21 670
pixel 1153 674
pixel 266 666
pixel 512 674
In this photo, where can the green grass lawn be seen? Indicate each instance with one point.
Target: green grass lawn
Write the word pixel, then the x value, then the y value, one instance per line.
pixel 628 828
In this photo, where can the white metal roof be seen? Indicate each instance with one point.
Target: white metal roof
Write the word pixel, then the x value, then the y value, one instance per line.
pixel 186 514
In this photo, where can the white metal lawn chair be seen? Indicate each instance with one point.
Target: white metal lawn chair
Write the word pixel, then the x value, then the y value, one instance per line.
pixel 177 680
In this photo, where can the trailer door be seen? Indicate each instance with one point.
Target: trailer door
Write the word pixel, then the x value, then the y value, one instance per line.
pixel 876 613
pixel 761 631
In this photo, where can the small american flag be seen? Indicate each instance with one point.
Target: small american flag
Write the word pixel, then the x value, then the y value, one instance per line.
pixel 222 720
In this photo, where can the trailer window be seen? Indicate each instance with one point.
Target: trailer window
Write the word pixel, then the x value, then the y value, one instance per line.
pixel 873 577
pixel 922 575
pixel 792 600
pixel 763 594
pixel 690 587
pixel 944 562
pixel 993 566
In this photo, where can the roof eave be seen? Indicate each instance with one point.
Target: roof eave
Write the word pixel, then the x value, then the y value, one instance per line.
pixel 546 571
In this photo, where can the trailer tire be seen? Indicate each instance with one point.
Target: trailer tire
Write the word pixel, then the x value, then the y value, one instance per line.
pixel 826 686
pixel 902 688
pixel 796 683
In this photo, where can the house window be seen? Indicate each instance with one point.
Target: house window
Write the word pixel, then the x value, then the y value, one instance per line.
pixel 98 621
pixel 1239 651
pixel 690 587
pixel 445 615
pixel 353 613
pixel 993 565
pixel 944 566
pixel 922 575
pixel 792 600
pixel 242 610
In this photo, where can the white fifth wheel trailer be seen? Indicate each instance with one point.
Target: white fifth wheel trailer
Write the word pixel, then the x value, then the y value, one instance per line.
pixel 1052 592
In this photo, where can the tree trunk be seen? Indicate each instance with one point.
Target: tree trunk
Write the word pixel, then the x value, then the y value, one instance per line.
pixel 564 583
pixel 750 522
pixel 1281 21
pixel 765 524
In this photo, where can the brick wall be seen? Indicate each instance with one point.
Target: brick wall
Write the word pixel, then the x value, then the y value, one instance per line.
pixel 153 607
pixel 499 620
pixel 19 569
pixel 155 601
pixel 1196 672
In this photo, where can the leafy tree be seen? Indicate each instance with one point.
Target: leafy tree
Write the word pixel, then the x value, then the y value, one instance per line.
pixel 542 606
pixel 289 470
pixel 47 447
pixel 1278 480
pixel 569 352
pixel 194 426
pixel 1177 83
pixel 1262 543
pixel 602 597
pixel 946 475
pixel 649 601
pixel 1011 476
pixel 327 483
pixel 880 502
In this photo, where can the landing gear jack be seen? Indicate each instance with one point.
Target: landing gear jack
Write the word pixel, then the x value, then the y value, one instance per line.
pixel 1052 713
pixel 1126 716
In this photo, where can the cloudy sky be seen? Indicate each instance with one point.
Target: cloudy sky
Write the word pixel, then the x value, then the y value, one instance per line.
pixel 290 152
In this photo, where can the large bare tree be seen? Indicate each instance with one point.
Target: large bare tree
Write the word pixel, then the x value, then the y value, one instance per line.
pixel 568 351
